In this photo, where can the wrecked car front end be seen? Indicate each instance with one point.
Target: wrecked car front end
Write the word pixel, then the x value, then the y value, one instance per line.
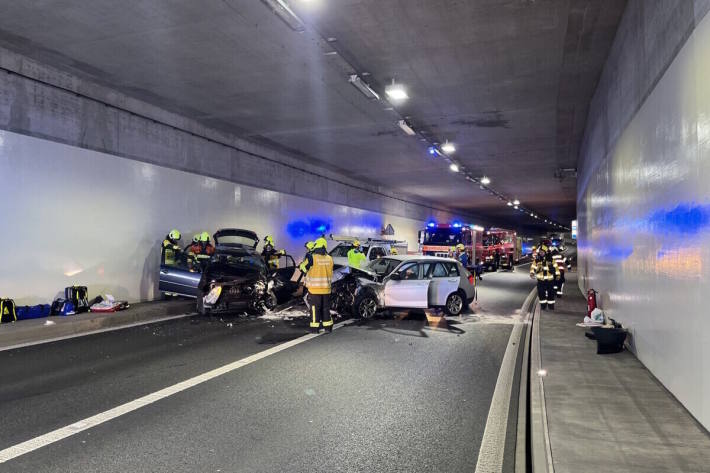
pixel 356 292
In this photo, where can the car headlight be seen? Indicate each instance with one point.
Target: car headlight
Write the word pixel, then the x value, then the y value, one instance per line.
pixel 212 296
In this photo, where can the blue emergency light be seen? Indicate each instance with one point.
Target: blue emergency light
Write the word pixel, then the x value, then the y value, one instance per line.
pixel 431 224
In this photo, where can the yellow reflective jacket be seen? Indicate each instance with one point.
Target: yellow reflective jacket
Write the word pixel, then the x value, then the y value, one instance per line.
pixel 356 258
pixel 320 274
pixel 545 270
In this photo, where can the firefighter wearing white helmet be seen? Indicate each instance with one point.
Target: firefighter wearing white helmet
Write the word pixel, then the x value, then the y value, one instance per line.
pixel 319 276
pixel 356 259
pixel 170 251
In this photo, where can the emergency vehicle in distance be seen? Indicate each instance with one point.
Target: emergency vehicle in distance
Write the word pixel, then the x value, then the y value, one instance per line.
pixel 508 245
pixel 441 239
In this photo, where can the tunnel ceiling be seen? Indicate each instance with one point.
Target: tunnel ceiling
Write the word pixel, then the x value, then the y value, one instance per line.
pixel 509 82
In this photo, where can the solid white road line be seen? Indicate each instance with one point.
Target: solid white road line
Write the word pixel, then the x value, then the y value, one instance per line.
pixel 94 332
pixel 84 424
pixel 490 455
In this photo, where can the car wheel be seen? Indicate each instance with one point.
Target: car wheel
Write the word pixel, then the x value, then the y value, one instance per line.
pixel 365 306
pixel 454 304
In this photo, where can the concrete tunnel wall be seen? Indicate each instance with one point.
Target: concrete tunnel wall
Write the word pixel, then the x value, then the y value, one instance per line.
pixel 92 180
pixel 76 216
pixel 644 198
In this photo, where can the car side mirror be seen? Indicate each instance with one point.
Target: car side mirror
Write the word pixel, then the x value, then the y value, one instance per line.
pixel 396 277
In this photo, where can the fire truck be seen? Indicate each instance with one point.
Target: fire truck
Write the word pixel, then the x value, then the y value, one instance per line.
pixel 441 239
pixel 506 243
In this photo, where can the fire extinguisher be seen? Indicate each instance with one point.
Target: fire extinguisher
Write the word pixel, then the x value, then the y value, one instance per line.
pixel 591 301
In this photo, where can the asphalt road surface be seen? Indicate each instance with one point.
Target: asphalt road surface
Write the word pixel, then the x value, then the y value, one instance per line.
pixel 385 395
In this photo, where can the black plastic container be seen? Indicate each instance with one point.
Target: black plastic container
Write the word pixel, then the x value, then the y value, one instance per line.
pixel 609 340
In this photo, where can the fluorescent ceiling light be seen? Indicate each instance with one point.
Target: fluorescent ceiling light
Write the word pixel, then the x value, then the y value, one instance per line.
pixel 284 12
pixel 396 91
pixel 454 167
pixel 516 202
pixel 360 85
pixel 510 204
pixel 448 148
pixel 406 128
pixel 485 181
pixel 516 207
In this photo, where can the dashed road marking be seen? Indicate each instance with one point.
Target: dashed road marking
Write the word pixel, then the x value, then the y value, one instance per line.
pixel 85 424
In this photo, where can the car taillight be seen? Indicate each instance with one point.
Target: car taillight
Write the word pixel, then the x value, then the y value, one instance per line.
pixel 470 279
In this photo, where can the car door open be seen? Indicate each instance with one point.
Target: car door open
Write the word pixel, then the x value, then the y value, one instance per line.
pixel 407 288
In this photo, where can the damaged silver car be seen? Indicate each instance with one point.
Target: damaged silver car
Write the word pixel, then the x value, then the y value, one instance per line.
pixel 403 282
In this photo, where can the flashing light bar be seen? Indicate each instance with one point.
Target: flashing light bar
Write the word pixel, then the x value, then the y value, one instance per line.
pixel 456 225
pixel 431 224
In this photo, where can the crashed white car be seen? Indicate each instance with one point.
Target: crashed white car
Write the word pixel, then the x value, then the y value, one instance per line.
pixel 403 282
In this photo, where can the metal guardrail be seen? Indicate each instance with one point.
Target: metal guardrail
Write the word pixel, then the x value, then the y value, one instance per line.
pixel 533 453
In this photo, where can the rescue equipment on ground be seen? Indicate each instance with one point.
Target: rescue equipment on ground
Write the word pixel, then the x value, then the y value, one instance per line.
pixel 108 304
pixel 7 311
pixel 62 307
pixel 79 296
pixel 33 312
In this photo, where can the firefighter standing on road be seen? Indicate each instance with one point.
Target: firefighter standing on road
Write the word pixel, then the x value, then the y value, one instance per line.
pixel 355 256
pixel 461 255
pixel 546 272
pixel 561 262
pixel 170 251
pixel 318 279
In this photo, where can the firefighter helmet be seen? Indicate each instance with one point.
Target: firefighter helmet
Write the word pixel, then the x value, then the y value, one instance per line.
pixel 205 237
pixel 460 247
pixel 394 251
pixel 269 240
pixel 174 235
pixel 321 243
pixel 356 243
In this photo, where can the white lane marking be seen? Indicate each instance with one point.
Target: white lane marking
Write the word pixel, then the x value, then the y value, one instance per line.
pixel 84 424
pixel 490 455
pixel 94 332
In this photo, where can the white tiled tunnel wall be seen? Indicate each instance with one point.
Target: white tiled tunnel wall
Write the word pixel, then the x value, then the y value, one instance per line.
pixel 645 227
pixel 75 216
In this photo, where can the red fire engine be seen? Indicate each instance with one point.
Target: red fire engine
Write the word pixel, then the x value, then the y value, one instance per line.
pixel 441 240
pixel 505 243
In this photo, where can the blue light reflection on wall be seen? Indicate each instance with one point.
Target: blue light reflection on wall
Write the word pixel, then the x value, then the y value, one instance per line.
pixel 686 218
pixel 307 228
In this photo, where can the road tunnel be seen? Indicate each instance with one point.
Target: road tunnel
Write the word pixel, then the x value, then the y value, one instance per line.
pixel 335 235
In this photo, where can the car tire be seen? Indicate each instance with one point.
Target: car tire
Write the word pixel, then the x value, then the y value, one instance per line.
pixel 455 304
pixel 365 306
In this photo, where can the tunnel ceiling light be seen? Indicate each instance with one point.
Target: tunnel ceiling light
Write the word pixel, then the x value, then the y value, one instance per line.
pixel 485 180
pixel 284 12
pixel 448 148
pixel 516 202
pixel 396 92
pixel 515 207
pixel 454 167
pixel 406 128
pixel 510 204
pixel 363 87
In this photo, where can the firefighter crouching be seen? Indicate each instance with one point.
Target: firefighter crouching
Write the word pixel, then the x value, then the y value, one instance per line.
pixel 546 273
pixel 561 262
pixel 319 275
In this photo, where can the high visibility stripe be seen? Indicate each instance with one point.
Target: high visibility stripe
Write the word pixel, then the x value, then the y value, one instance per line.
pixel 327 323
pixel 550 302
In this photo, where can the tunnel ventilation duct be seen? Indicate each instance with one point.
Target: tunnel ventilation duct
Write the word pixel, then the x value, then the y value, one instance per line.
pixel 282 9
pixel 360 85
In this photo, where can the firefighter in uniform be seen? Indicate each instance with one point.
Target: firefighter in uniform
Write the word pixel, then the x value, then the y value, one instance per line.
pixel 561 262
pixel 319 276
pixel 170 251
pixel 270 253
pixel 546 272
pixel 204 250
pixel 355 256
pixel 393 251
pixel 461 255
